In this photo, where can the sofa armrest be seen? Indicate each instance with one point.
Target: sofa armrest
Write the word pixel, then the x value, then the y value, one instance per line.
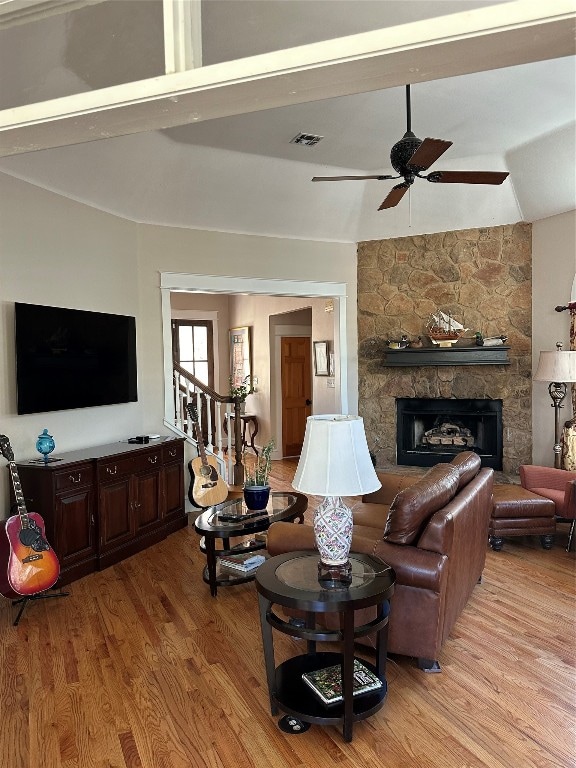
pixel 414 567
pixel 533 476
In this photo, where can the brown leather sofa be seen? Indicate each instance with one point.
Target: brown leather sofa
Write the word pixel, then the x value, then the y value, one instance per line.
pixel 433 530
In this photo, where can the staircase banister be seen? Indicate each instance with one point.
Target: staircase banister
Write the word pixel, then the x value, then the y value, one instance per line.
pixel 203 387
pixel 238 466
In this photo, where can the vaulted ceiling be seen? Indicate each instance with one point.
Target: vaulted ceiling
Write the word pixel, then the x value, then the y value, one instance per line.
pixel 506 109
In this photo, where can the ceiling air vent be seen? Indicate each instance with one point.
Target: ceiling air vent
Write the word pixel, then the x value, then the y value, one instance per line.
pixel 307 139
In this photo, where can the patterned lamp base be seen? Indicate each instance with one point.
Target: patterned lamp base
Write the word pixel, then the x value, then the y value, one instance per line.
pixel 333 534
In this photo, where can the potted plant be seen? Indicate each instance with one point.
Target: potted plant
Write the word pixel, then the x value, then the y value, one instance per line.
pixel 256 474
pixel 241 391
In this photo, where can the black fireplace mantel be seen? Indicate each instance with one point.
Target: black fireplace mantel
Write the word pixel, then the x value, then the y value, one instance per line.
pixel 474 355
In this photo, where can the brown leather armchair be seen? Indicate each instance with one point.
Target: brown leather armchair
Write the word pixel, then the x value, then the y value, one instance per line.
pixel 559 485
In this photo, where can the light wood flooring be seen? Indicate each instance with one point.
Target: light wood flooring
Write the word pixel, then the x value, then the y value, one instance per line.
pixel 140 668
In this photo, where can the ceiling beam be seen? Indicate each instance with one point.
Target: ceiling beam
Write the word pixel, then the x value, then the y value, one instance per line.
pixel 487 38
pixel 182 35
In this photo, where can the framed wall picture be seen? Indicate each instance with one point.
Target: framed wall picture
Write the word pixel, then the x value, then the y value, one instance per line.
pixel 321 358
pixel 240 355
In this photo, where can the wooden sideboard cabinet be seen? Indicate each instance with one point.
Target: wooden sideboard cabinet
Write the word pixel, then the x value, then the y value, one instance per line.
pixel 105 503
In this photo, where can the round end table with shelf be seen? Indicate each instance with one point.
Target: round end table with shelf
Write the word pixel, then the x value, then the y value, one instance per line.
pixel 291 581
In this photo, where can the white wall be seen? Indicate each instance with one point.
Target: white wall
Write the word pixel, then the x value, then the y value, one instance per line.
pixel 58 252
pixel 224 255
pixel 553 270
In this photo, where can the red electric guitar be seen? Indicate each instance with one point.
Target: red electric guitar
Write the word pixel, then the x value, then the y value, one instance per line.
pixel 28 564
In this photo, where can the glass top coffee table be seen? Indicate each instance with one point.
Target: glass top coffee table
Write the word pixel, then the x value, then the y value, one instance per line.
pixel 231 519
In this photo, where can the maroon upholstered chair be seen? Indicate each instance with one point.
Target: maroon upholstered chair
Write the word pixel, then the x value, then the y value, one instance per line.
pixel 556 484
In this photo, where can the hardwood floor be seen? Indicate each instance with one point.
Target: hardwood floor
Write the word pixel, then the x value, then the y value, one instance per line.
pixel 140 668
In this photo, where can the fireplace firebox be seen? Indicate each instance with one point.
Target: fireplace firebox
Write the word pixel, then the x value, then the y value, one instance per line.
pixel 429 430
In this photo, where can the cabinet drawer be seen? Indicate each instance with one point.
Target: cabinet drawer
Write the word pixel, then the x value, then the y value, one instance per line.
pixel 173 452
pixel 148 460
pixel 114 469
pixel 74 477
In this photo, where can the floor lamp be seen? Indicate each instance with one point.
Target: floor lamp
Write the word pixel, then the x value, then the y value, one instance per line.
pixel 559 369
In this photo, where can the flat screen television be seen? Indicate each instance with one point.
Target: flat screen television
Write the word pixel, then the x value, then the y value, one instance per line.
pixel 71 358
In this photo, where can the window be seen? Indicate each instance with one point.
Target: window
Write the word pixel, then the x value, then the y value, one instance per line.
pixel 192 348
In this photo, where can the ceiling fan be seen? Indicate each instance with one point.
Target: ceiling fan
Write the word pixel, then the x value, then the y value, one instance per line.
pixel 410 156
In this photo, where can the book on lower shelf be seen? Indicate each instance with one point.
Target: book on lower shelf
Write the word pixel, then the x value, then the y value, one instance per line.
pixel 243 561
pixel 327 683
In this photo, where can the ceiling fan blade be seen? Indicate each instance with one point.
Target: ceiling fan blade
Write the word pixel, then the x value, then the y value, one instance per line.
pixel 467 177
pixel 352 178
pixel 394 196
pixel 428 152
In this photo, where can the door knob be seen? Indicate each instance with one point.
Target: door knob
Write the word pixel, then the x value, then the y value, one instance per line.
pixel 308 402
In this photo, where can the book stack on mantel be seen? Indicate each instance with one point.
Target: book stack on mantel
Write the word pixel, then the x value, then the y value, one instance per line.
pixel 244 562
pixel 327 683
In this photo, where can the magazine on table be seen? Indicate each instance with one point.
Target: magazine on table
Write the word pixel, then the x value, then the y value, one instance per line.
pixel 243 561
pixel 327 683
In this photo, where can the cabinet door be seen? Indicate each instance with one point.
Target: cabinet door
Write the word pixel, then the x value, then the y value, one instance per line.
pixel 75 527
pixel 173 490
pixel 146 499
pixel 115 511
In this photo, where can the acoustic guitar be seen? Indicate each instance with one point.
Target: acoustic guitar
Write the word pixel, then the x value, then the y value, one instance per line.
pixel 28 564
pixel 207 487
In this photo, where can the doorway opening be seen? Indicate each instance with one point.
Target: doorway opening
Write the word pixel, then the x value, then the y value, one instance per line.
pixel 271 421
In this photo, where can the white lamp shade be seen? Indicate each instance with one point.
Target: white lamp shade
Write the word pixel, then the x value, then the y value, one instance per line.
pixel 556 367
pixel 335 460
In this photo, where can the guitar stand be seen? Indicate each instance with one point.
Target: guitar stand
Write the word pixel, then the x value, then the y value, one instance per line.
pixel 40 596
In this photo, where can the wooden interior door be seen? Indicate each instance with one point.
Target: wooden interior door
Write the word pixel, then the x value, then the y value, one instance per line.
pixel 296 392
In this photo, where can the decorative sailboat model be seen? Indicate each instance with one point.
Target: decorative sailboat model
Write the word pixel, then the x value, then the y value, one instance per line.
pixel 443 330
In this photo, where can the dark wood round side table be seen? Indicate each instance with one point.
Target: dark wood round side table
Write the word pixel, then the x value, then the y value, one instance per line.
pixel 215 523
pixel 291 580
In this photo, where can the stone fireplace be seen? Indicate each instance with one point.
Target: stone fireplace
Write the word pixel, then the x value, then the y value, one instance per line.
pixel 481 277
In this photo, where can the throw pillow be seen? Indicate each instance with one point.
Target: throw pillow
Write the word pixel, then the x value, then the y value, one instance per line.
pixel 412 508
pixel 468 464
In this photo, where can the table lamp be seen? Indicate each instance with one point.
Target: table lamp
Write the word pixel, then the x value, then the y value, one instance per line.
pixel 334 462
pixel 558 368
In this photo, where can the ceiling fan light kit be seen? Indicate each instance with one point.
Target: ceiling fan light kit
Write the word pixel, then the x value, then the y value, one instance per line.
pixel 411 156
